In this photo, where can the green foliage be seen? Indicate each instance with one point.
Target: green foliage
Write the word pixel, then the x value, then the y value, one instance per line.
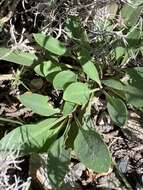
pixel 38 103
pixel 88 66
pixel 57 163
pixel 33 137
pixel 131 14
pixel 63 79
pixel 117 110
pixel 68 108
pixel 51 44
pixel 68 127
pixel 21 58
pixel 77 93
pixel 46 68
pixel 113 83
pixel 94 154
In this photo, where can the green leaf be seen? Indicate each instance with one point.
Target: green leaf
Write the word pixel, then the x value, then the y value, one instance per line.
pixel 46 68
pixel 91 71
pixel 63 79
pixel 119 52
pixel 134 93
pixel 77 93
pixel 87 120
pixel 119 93
pixel 51 44
pixel 38 103
pixel 71 135
pixel 134 88
pixel 117 110
pixel 113 83
pixel 131 14
pixel 134 40
pixel 68 108
pixel 135 73
pixel 57 163
pixel 75 29
pixel 18 57
pixel 33 137
pixel 92 151
pixel 88 66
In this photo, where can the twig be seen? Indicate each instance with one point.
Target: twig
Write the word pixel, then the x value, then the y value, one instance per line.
pixel 10 121
pixel 7 77
pixel 18 113
pixel 11 12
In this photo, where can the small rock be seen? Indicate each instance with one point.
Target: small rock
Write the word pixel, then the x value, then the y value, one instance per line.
pixel 74 174
pixel 37 83
pixel 123 165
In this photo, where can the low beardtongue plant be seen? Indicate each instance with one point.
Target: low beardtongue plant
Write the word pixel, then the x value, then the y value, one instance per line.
pixel 68 129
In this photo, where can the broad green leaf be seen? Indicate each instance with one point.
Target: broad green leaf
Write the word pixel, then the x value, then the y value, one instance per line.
pixel 119 93
pixel 91 71
pixel 117 110
pixel 134 39
pixel 71 135
pixel 92 151
pixel 87 121
pixel 63 79
pixel 113 83
pixel 18 57
pixel 134 33
pixel 134 88
pixel 77 93
pixel 134 93
pixel 57 163
pixel 46 68
pixel 75 29
pixel 51 44
pixel 38 103
pixel 131 14
pixel 119 52
pixel 51 77
pixel 88 66
pixel 33 137
pixel 135 73
pixel 68 108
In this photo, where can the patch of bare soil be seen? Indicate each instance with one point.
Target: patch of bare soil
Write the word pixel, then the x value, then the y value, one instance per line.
pixel 126 146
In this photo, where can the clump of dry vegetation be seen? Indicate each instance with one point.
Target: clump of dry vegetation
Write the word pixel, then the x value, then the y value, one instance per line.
pixel 9 163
